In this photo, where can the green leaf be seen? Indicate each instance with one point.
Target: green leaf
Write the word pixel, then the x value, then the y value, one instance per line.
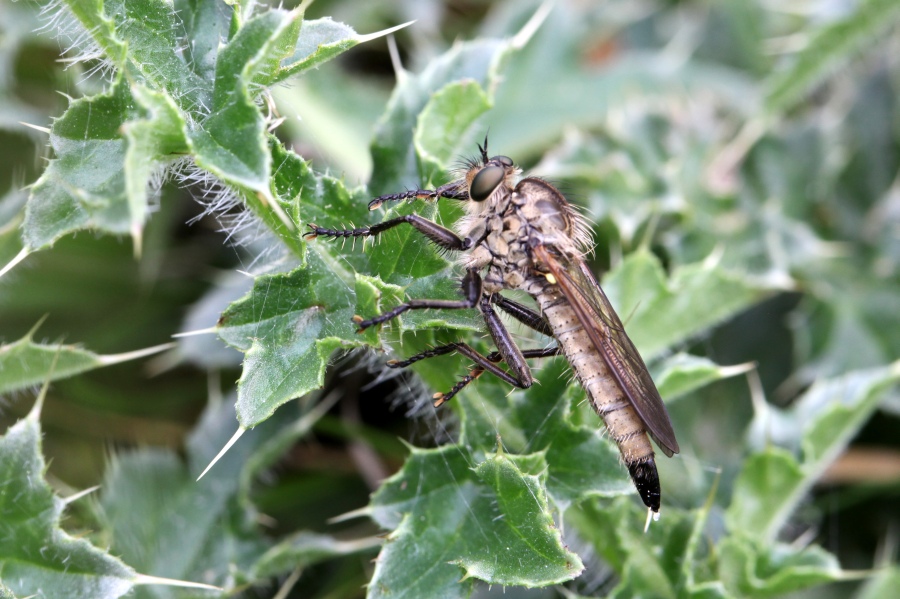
pixel 167 523
pixel 321 40
pixel 306 549
pixel 36 555
pixel 288 327
pixel 828 415
pixel 232 142
pixel 766 479
pixel 109 147
pixel 827 49
pixel 404 257
pixel 772 570
pixel 616 531
pixel 309 197
pixel 450 518
pixel 24 364
pixel 660 314
pixel 150 33
pixel 84 186
pixel 103 28
pixel 581 462
pixel 394 147
pixel 205 23
pixel 149 140
pixel 683 373
pixel 442 125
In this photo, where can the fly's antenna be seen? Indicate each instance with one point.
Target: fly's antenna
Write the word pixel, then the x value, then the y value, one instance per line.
pixel 484 150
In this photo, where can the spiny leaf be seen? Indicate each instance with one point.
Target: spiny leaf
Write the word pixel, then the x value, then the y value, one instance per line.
pixel 84 186
pixel 660 314
pixel 682 373
pixel 828 47
pixel 771 570
pixel 580 461
pixel 288 327
pixel 36 555
pixel 450 516
pixel 165 522
pixel 24 363
pixel 321 40
pixel 774 481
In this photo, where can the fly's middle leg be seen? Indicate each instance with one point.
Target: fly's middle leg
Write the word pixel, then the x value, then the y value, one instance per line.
pixel 524 314
pixel 471 288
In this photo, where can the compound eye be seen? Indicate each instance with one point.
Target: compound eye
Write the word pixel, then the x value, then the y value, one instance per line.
pixel 485 182
pixel 504 160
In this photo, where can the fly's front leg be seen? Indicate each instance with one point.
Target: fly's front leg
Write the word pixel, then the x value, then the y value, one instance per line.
pixel 471 288
pixel 455 190
pixel 437 234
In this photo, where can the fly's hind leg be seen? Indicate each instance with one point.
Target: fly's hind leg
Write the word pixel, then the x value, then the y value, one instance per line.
pixel 489 363
pixel 507 351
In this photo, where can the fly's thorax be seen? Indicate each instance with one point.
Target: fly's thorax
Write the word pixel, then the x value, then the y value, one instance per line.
pixel 506 251
pixel 551 220
pixel 510 224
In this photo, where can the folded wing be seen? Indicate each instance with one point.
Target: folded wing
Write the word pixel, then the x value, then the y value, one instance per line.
pixel 607 333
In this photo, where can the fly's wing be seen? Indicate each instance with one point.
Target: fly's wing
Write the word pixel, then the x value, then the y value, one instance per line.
pixel 607 333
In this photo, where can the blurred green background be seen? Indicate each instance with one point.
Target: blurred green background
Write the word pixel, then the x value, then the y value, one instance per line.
pixel 694 124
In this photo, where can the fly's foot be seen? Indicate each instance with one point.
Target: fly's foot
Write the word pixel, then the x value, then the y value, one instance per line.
pixel 442 398
pixel 361 324
pixel 317 231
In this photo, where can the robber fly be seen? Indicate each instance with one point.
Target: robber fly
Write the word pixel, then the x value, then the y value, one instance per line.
pixel 523 234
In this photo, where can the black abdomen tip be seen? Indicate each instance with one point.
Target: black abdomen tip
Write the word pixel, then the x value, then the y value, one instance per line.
pixel 646 479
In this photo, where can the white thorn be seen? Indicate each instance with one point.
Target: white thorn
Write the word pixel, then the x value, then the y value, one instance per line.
pixel 147 579
pixel 222 452
pixel 210 330
pixel 371 36
pixel 521 38
pixel 36 127
pixel 12 263
pixel 134 355
pixel 79 495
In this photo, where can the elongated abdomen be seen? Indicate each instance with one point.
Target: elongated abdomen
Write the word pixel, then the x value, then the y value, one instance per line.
pixel 609 401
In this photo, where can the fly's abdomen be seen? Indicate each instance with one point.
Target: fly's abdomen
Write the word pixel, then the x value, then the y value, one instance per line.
pixel 606 396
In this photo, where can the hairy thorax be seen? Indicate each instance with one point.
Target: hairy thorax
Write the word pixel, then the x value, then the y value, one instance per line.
pixel 510 223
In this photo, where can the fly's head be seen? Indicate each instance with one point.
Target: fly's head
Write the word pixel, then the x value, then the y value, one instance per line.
pixel 489 181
